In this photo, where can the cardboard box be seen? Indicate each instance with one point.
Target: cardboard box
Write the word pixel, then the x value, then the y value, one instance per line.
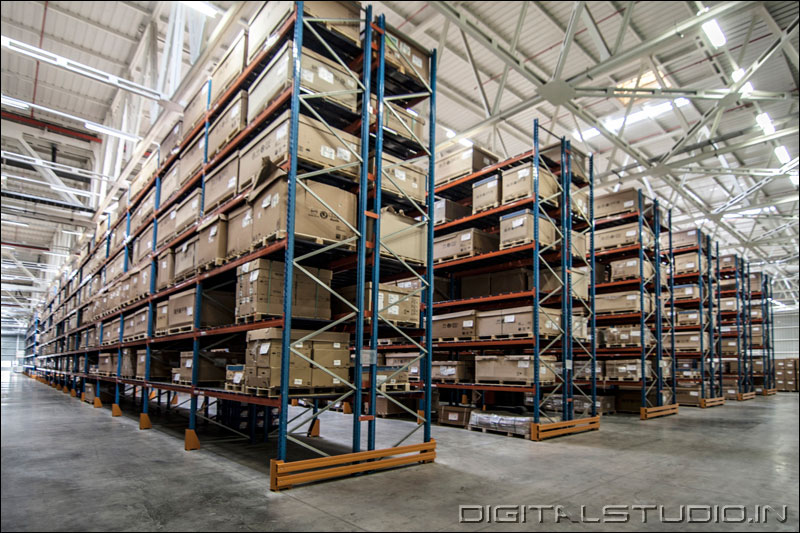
pixel 410 244
pixel 189 211
pixel 460 325
pixel 618 236
pixel 192 159
pixel 107 364
pixel 486 194
pixel 513 368
pixel 441 287
pixel 517 182
pixel 728 304
pixel 319 75
pixel 229 68
pixel 217 309
pixel 616 336
pixel 298 377
pixel 727 262
pixel 196 108
pixel 400 178
pixel 316 146
pixel 228 124
pixel 398 121
pixel 222 183
pixel 518 322
pixel 461 163
pixel 143 245
pixel 264 348
pixel 172 141
pixel 627 369
pixel 688 318
pixel 165 271
pixel 729 346
pixel 312 219
pixel 321 378
pixel 170 182
pixel 185 255
pixel 466 242
pixel 212 241
pixel 259 290
pixel 407 56
pixel 617 203
pixel 401 359
pixel 686 292
pixel 629 269
pixel 166 226
pixel 689 395
pixel 622 302
pixel 209 368
pixel 445 210
pixel 239 231
pixel 680 239
pixel 144 211
pixel 688 341
pixel 234 374
pixel 458 371
pixel 402 308
pixel 687 264
pixel 452 415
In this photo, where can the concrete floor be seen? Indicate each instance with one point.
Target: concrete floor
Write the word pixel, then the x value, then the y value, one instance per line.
pixel 67 466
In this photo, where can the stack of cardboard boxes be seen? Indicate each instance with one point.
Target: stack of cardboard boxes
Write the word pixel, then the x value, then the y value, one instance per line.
pixel 786 375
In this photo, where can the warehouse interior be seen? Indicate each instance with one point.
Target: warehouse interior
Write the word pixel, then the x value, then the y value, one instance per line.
pixel 543 265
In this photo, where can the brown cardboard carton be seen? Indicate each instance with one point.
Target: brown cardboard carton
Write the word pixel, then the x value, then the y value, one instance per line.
pixel 298 377
pixel 319 75
pixel 452 415
pixel 615 336
pixel 627 369
pixel 188 212
pixel 143 245
pixel 240 230
pixel 209 368
pixel 166 226
pixel 313 219
pixel 196 108
pixel 321 378
pixel 687 263
pixel 316 146
pixel 222 183
pixel 617 203
pixel 107 364
pixel 170 182
pixel 728 304
pixel 398 121
pixel 462 162
pixel 259 288
pixel 410 244
pixel 185 256
pixel 680 239
pixel 264 348
pixel 512 368
pixel 629 268
pixel 229 67
pixel 407 56
pixel 144 210
pixel 445 210
pixel 490 323
pixel 160 366
pixel 192 159
pixel 729 346
pixel 128 366
pixel 460 325
pixel 686 292
pixel 165 271
pixel 400 305
pixel 727 262
pixel 517 228
pixel 486 194
pixel 172 141
pixel 518 183
pixel 217 309
pixel 441 287
pixel 620 302
pixel 465 242
pixel 476 286
pixel 514 280
pixel 452 370
pixel 401 359
pixel 234 374
pixel 212 242
pixel 689 341
pixel 400 178
pixel 688 318
pixel 232 120
pixel 625 235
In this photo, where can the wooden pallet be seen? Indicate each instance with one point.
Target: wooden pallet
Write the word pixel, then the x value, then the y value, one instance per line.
pixel 161 332
pixel 614 247
pixel 219 261
pixel 181 329
pixel 462 255
pixel 514 244
pixel 235 387
pixel 627 378
pixel 395 387
pixel 512 382
pixel 255 317
pixel 452 339
pixel 744 396
pixel 497 432
pixel 508 336
pixel 646 413
pixel 617 214
pixel 769 392
pixel 183 276
pixel 448 380
pixel 486 208
pixel 623 345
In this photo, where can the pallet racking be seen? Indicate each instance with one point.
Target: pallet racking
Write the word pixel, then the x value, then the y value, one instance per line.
pixel 656 400
pixel 364 62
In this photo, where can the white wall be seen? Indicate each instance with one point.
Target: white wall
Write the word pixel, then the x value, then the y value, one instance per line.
pixel 787 335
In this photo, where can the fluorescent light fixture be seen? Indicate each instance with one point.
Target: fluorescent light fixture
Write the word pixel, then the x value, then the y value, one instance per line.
pixel 465 142
pixel 782 154
pixel 765 123
pixel 56 254
pixel 737 75
pixel 68 232
pixel 450 133
pixel 15 223
pixel 412 112
pixel 714 33
pixel 13 102
pixel 202 7
pixel 109 131
pixel 616 187
pixel 680 102
pixel 587 134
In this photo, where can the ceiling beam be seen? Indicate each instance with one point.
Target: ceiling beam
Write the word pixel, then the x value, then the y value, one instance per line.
pixel 690 93
pixel 130 39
